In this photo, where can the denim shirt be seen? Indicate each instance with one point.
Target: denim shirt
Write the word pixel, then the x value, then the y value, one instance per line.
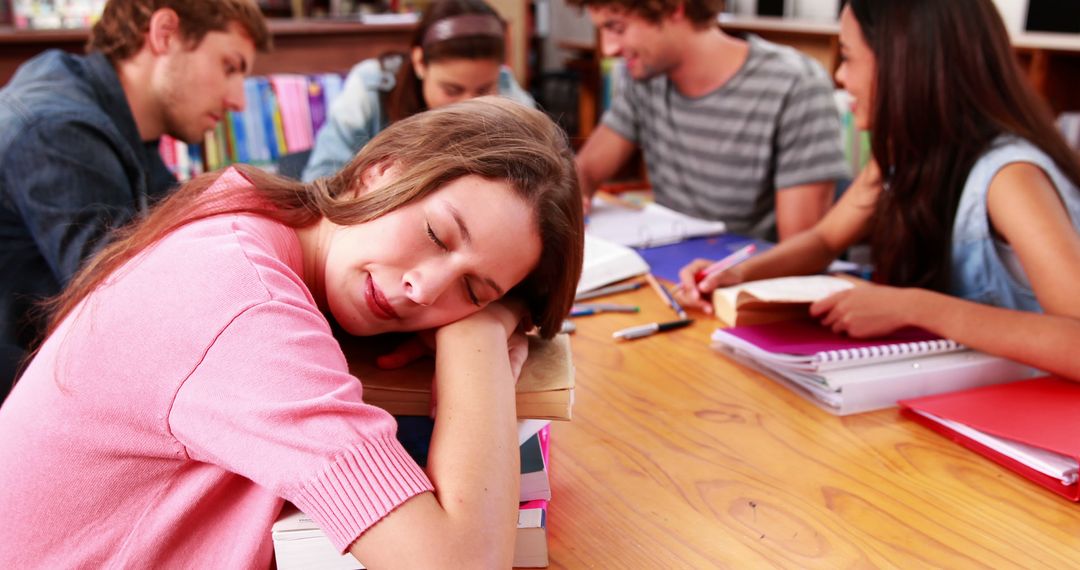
pixel 356 115
pixel 72 167
pixel 985 269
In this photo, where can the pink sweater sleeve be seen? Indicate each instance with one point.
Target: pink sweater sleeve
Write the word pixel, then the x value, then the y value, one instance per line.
pixel 282 410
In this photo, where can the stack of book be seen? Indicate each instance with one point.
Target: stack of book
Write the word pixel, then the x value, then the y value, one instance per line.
pixel 839 373
pixel 299 543
pixel 544 393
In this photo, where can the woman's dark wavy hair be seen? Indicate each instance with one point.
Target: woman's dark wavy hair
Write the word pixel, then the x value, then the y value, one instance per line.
pixel 407 96
pixel 948 83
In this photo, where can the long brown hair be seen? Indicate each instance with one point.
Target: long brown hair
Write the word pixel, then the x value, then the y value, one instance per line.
pixel 491 137
pixel 948 84
pixel 407 96
pixel 121 30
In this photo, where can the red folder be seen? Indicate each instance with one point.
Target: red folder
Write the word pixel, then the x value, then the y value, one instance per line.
pixel 1043 412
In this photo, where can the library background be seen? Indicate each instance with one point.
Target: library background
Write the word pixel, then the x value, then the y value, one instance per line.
pixel 552 51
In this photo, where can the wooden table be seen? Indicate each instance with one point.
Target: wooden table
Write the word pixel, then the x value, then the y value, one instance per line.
pixel 679 458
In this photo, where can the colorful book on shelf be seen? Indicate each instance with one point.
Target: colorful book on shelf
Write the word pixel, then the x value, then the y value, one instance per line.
pixel 299 543
pixel 844 375
pixel 1029 426
pixel 545 388
pixel 648 226
pixel 292 97
pixel 534 466
pixel 770 300
pixel 607 262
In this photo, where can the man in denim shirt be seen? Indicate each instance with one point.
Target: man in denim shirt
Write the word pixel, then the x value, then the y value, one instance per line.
pixel 79 135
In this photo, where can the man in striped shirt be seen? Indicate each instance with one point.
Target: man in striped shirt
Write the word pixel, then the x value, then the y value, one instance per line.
pixel 733 129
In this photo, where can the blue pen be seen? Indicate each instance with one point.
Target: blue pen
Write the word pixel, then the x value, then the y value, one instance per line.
pixel 592 309
pixel 665 295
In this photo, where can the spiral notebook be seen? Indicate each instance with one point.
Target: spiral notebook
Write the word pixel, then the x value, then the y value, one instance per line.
pixel 805 345
pixel 848 376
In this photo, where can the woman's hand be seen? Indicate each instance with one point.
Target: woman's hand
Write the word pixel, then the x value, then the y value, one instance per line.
pixel 866 310
pixel 694 294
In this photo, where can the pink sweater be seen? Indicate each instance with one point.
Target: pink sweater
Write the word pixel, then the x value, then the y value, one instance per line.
pixel 166 419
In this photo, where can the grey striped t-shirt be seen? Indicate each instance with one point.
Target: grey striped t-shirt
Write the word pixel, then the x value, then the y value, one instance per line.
pixel 723 156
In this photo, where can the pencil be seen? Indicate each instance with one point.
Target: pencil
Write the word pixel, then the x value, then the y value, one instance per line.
pixel 608 291
pixel 665 295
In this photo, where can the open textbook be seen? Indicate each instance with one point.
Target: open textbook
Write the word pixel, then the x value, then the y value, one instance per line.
pixel 607 262
pixel 770 300
pixel 649 226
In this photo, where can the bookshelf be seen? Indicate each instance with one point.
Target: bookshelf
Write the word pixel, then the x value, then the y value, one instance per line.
pixel 300 45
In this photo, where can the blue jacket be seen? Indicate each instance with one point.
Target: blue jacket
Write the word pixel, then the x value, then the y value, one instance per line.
pixel 72 167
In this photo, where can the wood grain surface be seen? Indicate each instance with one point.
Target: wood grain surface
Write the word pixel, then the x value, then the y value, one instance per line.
pixel 679 458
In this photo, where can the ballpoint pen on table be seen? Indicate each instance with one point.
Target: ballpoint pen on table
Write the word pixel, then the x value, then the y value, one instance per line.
pixel 596 308
pixel 665 295
pixel 608 290
pixel 740 255
pixel 649 329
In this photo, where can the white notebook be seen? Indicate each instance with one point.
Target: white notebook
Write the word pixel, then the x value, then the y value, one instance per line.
pixel 650 226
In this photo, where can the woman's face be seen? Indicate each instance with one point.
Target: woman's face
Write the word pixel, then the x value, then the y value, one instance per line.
pixel 858 69
pixel 447 81
pixel 430 262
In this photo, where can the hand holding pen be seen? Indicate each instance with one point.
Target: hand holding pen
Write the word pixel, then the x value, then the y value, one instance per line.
pixel 701 277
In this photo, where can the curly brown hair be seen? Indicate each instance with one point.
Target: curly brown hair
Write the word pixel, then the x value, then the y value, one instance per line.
pixel 122 29
pixel 701 13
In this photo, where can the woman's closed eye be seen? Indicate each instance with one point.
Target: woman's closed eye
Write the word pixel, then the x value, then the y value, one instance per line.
pixel 470 293
pixel 435 239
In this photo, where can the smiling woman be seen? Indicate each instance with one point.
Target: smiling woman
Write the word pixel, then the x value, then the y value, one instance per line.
pixel 196 354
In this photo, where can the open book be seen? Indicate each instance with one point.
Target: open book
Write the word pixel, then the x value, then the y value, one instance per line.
pixel 545 389
pixel 607 262
pixel 770 300
pixel 649 226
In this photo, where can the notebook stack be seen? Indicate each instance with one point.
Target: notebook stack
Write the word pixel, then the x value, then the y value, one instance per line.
pixel 299 543
pixel 844 375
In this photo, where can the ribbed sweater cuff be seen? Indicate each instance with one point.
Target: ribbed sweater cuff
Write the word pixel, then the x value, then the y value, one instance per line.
pixel 359 488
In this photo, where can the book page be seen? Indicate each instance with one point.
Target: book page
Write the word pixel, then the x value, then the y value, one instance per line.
pixel 607 262
pixel 650 226
pixel 800 289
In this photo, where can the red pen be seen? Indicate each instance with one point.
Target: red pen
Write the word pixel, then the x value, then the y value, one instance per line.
pixel 739 256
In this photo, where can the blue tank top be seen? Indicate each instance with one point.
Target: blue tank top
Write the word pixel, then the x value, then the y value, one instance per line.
pixel 984 268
